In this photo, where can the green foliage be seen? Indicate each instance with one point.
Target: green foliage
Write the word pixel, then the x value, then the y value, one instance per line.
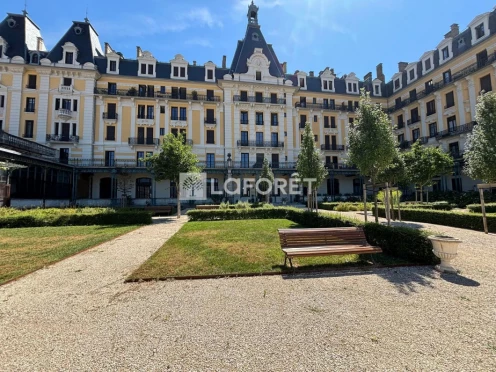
pixel 10 218
pixel 441 206
pixel 461 199
pixel 267 177
pixel 352 207
pixel 396 196
pixel 309 164
pixel 423 163
pixel 400 242
pixel 394 173
pixel 472 221
pixel 476 208
pixel 329 206
pixel 480 148
pixel 372 146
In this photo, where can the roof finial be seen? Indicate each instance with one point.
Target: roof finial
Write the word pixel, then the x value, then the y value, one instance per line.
pixel 252 13
pixel 25 11
pixel 86 18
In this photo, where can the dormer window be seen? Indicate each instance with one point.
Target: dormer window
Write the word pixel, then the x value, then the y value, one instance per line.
pixel 302 82
pixel 327 80
pixel 427 60
pixel 479 31
pixel 254 36
pixel 397 84
pixel 210 71
pixel 113 66
pixel 445 50
pixel 479 28
pixel 376 89
pixel 69 54
pixel 445 53
pixel 352 84
pixel 411 74
pixel 147 64
pixel 35 59
pixel 377 83
pixel 67 82
pixel 258 75
pixel 427 65
pixel 179 68
pixel 210 74
pixel 301 78
pixel 69 58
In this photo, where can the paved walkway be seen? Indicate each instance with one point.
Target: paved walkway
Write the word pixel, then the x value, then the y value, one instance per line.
pixel 79 315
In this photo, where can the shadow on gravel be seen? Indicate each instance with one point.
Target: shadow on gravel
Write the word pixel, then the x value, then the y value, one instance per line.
pixel 327 274
pixel 164 220
pixel 407 280
pixel 459 280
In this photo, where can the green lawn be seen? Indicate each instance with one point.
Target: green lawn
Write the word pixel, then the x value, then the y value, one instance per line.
pixel 233 247
pixel 25 250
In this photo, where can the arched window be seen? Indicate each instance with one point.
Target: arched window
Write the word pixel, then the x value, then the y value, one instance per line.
pixel 143 188
pixel 35 59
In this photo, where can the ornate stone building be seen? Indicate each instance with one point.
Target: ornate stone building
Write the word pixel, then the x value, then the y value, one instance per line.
pixel 92 114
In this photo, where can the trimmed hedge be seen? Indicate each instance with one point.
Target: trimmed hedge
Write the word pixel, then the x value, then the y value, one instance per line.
pixel 11 218
pixel 472 221
pixel 402 242
pixel 476 208
pixel 441 206
pixel 461 199
pixel 344 206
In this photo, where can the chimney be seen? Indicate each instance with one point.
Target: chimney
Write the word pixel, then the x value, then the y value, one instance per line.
pixel 380 74
pixel 455 30
pixel 39 43
pixel 368 77
pixel 194 63
pixel 139 52
pixel 332 71
pixel 311 73
pixel 223 61
pixel 402 66
pixel 285 67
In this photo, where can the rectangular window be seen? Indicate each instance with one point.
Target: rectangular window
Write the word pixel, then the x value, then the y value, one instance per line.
pixel 401 138
pixel 427 64
pixel 259 138
pixel 67 82
pixel 414 115
pixel 451 123
pixel 273 98
pixel 454 149
pixel 2 101
pixel 31 82
pixel 482 58
pixel 479 31
pixel 149 112
pixel 142 90
pixel 162 109
pixel 325 84
pixel 162 131
pixel 315 118
pixel 210 160
pixel 415 134
pixel 258 75
pixel 485 83
pixel 303 121
pixel 210 116
pixel 110 135
pixel 30 104
pixel 397 84
pixel 350 105
pixel 274 139
pixel 259 118
pixel 273 119
pixel 330 85
pixel 244 138
pixel 28 129
pixel 413 95
pixel 183 71
pixel 401 123
pixel 316 137
pixel 429 85
pixel 432 130
pixel 431 107
pixel 150 69
pixel 69 58
pixel 210 137
pixel 1 124
pixel 139 158
pixel 74 129
pixel 143 69
pixel 182 93
pixel 210 74
pixel 258 97
pixel 450 99
pixel 349 87
pixel 355 87
pixel 445 52
pixel 376 90
pixel 326 121
pixel 109 158
pixel 243 117
pixel 397 102
pixel 141 112
pixel 113 66
pixel 333 122
pixel 112 88
pixel 447 77
pixel 182 113
pixel 245 160
pixel 302 82
pixel 176 71
pixel 412 74
pixel 243 96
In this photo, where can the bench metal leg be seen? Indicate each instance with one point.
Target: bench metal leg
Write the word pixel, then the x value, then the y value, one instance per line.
pixel 285 260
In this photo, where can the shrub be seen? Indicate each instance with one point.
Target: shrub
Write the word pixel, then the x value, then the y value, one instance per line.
pixel 344 207
pixel 10 218
pixel 476 208
pixel 472 221
pixel 328 206
pixel 441 205
pixel 402 242
pixel 396 196
pixel 461 199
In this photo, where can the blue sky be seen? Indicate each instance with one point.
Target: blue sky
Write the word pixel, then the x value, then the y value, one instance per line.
pixel 347 35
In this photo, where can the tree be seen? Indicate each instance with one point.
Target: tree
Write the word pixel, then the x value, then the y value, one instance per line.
pixel 310 169
pixel 372 146
pixel 424 163
pixel 480 149
pixel 267 179
pixel 394 174
pixel 124 186
pixel 175 157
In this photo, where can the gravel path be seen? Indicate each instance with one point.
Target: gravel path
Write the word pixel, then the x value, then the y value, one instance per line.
pixel 79 315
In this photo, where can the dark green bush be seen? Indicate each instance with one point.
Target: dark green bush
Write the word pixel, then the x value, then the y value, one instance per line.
pixel 476 208
pixel 472 221
pixel 73 217
pixel 461 199
pixel 402 242
pixel 440 205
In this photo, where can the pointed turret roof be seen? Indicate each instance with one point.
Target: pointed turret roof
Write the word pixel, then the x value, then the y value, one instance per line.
pixel 254 39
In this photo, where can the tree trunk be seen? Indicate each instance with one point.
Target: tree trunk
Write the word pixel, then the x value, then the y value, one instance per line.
pixel 316 203
pixel 392 206
pixel 427 194
pixel 375 206
pixel 178 207
pixel 421 193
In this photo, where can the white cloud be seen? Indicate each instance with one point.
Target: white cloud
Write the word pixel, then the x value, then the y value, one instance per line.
pixel 204 16
pixel 199 42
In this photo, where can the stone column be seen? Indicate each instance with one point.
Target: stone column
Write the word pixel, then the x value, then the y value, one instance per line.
pixel 251 126
pixel 472 96
pixel 101 127
pixel 133 119
pixel 217 127
pixel 439 110
pixel 41 125
pixel 422 118
pixel 87 140
pixel 459 102
pixel 290 127
pixel 407 131
pixel 118 123
pixel 321 129
pixel 157 119
pixel 202 127
pixel 167 117
pixel 15 104
pixel 190 122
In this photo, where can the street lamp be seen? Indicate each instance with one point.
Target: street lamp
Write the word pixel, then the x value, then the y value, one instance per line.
pixel 229 172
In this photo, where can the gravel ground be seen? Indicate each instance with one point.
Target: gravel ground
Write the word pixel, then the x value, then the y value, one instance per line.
pixel 79 315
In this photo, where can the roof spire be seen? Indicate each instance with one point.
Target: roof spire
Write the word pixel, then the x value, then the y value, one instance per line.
pixel 252 14
pixel 86 18
pixel 25 10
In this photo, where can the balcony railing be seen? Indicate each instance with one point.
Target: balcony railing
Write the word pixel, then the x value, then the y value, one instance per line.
pixel 149 117
pixel 413 121
pixel 210 121
pixel 465 128
pixel 61 138
pixel 182 118
pixel 441 84
pixel 255 143
pixel 340 166
pixel 244 121
pixel 31 86
pixel 323 106
pixel 110 115
pixel 212 164
pixel 133 92
pixel 65 113
pixel 29 109
pixel 331 147
pixel 23 145
pixel 132 141
pixel 400 125
pixel 65 89
pixel 259 122
pixel 258 165
pixel 104 163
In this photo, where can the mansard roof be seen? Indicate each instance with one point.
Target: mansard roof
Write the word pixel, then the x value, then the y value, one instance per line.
pixel 245 48
pixel 21 34
pixel 84 37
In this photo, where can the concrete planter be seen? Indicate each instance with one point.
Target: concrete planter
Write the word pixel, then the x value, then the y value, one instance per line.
pixel 446 248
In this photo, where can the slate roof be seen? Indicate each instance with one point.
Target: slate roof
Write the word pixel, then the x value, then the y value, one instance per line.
pixel 17 37
pixel 245 48
pixel 87 44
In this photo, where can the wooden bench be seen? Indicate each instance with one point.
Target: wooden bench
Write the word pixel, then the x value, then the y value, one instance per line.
pixel 323 242
pixel 159 209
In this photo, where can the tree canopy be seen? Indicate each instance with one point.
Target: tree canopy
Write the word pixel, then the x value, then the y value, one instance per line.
pixel 480 148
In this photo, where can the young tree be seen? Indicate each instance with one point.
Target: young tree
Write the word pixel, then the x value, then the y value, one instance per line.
pixel 424 163
pixel 372 146
pixel 310 169
pixel 394 174
pixel 480 149
pixel 267 177
pixel 125 185
pixel 174 158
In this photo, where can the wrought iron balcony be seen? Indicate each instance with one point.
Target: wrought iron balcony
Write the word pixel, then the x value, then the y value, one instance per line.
pixel 61 138
pixel 259 122
pixel 133 92
pixel 29 109
pixel 182 118
pixel 324 106
pixel 212 164
pixel 132 141
pixel 107 163
pixel 244 121
pixel 110 115
pixel 258 165
pixel 256 143
pixel 413 121
pixel 465 128
pixel 340 166
pixel 148 117
pixel 210 121
pixel 31 86
pixel 331 147
pixel 22 145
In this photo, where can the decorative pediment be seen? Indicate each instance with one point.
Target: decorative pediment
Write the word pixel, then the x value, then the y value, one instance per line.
pixel 327 74
pixel 258 60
